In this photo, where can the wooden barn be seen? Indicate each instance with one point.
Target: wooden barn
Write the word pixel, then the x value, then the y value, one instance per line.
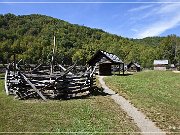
pixel 160 64
pixel 104 61
pixel 133 67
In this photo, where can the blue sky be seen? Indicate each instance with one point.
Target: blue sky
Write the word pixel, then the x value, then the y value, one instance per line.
pixel 132 20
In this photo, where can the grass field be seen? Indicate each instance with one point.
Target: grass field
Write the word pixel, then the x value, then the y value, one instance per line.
pixel 156 93
pixel 96 113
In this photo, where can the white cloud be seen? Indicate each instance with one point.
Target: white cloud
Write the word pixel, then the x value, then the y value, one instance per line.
pixel 161 17
pixel 134 30
pixel 159 27
pixel 168 8
pixel 140 8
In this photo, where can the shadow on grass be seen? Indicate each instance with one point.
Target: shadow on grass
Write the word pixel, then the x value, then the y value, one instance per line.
pixel 95 91
pixel 98 92
pixel 78 94
pixel 127 74
pixel 116 74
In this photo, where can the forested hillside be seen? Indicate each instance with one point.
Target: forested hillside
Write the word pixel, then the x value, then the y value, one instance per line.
pixel 31 38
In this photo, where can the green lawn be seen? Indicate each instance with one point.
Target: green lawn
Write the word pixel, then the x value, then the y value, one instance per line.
pixel 156 93
pixel 96 113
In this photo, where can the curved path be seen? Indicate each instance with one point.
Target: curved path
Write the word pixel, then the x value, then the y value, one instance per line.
pixel 146 126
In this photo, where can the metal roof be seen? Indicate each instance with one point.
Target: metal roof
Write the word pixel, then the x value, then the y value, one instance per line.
pixel 112 57
pixel 133 63
pixel 137 65
pixel 160 62
pixel 104 57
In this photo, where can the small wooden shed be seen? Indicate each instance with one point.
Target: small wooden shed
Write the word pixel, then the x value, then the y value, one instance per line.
pixel 105 60
pixel 173 67
pixel 160 64
pixel 134 67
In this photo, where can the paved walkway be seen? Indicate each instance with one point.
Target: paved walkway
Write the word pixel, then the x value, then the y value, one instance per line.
pixel 146 126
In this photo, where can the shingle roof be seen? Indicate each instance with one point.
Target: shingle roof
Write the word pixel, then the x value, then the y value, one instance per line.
pixel 160 62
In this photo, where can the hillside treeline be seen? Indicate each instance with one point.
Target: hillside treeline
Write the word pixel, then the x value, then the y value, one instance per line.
pixel 30 37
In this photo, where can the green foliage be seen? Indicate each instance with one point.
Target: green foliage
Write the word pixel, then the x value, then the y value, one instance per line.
pixel 31 38
pixel 170 48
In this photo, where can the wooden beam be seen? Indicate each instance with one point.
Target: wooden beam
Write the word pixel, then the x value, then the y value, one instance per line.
pixel 52 59
pixel 123 68
pixel 14 67
pixel 32 85
pixel 66 72
pixel 5 82
pixel 36 68
pixel 64 69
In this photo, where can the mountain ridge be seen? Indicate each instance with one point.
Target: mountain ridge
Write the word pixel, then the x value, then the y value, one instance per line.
pixel 31 38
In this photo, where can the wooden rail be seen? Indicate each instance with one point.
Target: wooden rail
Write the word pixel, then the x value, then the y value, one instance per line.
pixel 41 82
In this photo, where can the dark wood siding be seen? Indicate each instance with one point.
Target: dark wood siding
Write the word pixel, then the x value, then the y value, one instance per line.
pixel 105 69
